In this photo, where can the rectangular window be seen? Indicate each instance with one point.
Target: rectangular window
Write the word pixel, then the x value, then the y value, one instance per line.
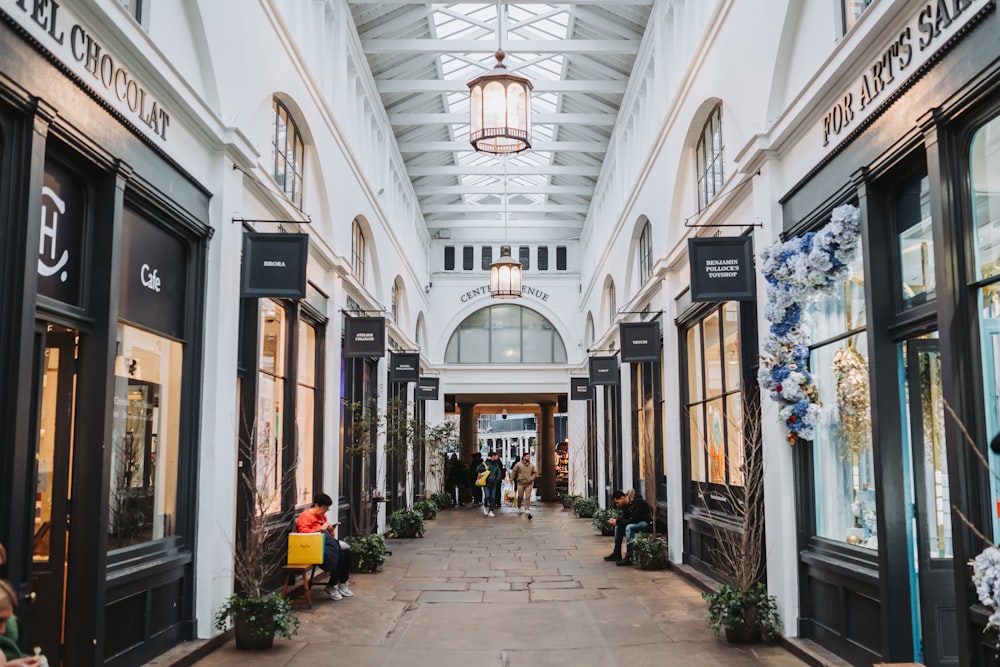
pixel 305 413
pixel 134 7
pixel 853 9
pixel 270 399
pixel 524 256
pixel 560 258
pixel 468 253
pixel 358 253
pixel 145 438
pixel 449 258
pixel 487 257
pixel 915 243
pixel 646 253
pixel 543 258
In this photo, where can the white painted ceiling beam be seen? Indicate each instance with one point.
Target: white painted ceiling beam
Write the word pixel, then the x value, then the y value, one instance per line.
pixel 562 47
pixel 463 146
pixel 495 170
pixel 539 189
pixel 423 3
pixel 403 86
pixel 541 118
pixel 498 208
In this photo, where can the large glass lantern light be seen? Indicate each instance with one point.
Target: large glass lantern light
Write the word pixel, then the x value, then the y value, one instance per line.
pixel 500 111
pixel 505 276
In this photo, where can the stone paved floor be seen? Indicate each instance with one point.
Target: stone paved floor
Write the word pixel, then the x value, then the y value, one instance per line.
pixel 478 591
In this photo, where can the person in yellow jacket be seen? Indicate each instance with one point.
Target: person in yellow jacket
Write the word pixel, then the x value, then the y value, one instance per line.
pixel 523 475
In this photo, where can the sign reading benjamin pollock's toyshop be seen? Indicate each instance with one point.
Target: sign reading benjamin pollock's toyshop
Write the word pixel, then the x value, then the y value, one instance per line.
pixel 722 269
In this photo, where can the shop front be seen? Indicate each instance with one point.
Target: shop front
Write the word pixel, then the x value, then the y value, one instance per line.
pixel 889 492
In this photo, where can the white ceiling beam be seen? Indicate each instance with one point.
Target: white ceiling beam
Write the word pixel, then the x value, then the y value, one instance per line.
pixel 536 118
pixel 539 189
pixel 493 208
pixel 492 170
pixel 402 86
pixel 565 46
pixel 423 3
pixel 464 146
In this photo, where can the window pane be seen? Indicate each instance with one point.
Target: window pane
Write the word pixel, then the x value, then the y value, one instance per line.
pixel 537 333
pixel 734 438
pixel 560 258
pixel 713 355
pixel 694 364
pixel 505 338
pixel 307 355
pixel 474 341
pixel 843 465
pixel 915 242
pixel 272 335
pixel 989 336
pixel 305 420
pixel 731 329
pixel 524 256
pixel 145 438
pixel 268 440
pixel 698 441
pixel 842 311
pixel 543 258
pixel 449 258
pixel 984 168
pixel 505 334
pixel 715 442
pixel 487 257
pixel 467 255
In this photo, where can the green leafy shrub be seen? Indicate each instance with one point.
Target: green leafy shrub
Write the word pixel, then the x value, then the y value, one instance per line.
pixel 443 500
pixel 368 552
pixel 426 509
pixel 738 612
pixel 649 551
pixel 602 521
pixel 585 507
pixel 568 500
pixel 406 523
pixel 268 615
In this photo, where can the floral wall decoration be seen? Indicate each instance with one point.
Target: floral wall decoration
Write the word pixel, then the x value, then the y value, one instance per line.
pixel 797 272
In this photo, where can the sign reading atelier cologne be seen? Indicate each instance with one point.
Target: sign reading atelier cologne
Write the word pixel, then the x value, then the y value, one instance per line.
pixel 274 265
pixel 53 26
pixel 60 241
pixel 640 341
pixel 427 388
pixel 404 367
pixel 364 336
pixel 154 276
pixel 722 268
pixel 603 370
pixel 579 389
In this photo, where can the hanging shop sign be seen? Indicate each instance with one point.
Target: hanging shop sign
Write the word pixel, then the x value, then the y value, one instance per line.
pixel 640 341
pixel 153 276
pixel 604 370
pixel 364 336
pixel 427 388
pixel 274 265
pixel 60 243
pixel 55 28
pixel 579 389
pixel 404 367
pixel 929 29
pixel 722 268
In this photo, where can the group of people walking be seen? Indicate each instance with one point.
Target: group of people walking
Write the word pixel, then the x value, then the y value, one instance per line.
pixel 482 482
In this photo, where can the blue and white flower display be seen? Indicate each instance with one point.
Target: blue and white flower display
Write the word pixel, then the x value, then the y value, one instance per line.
pixel 797 272
pixel 986 577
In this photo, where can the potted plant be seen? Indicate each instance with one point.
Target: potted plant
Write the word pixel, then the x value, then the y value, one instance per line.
pixel 406 523
pixel 568 500
pixel 256 612
pixel 368 552
pixel 741 607
pixel 649 551
pixel 585 507
pixel 427 509
pixel 602 521
pixel 443 500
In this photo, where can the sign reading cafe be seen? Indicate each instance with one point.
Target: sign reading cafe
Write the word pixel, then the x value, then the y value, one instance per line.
pixel 54 27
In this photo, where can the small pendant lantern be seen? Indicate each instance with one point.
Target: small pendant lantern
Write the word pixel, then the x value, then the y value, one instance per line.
pixel 505 276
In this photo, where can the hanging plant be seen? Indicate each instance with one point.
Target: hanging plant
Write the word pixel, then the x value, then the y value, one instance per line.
pixel 850 369
pixel 797 272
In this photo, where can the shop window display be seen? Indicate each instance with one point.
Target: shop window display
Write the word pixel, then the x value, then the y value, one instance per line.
pixel 145 438
pixel 843 464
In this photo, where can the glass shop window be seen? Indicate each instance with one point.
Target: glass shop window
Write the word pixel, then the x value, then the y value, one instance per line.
pixel 270 400
pixel 305 413
pixel 915 243
pixel 145 438
pixel 843 464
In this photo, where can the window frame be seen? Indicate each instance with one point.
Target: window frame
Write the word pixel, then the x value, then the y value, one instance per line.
pixel 280 154
pixel 709 169
pixel 645 250
pixel 358 252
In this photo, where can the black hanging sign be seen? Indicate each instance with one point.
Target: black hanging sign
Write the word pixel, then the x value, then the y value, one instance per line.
pixel 427 388
pixel 274 265
pixel 579 389
pixel 364 336
pixel 640 341
pixel 722 268
pixel 404 367
pixel 603 370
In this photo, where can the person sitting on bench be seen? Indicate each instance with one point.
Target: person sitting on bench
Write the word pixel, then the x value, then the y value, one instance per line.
pixel 634 517
pixel 335 560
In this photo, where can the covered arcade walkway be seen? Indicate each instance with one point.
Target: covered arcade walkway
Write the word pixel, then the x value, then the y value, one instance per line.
pixel 476 592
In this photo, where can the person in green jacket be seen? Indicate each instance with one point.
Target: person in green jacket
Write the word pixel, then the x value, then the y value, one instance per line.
pixel 12 653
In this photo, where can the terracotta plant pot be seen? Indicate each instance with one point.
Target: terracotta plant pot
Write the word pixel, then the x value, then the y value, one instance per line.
pixel 255 635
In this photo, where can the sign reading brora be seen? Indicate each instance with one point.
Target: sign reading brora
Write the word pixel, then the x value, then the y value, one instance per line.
pixel 364 336
pixel 579 389
pixel 427 388
pixel 404 367
pixel 722 269
pixel 604 370
pixel 274 265
pixel 640 341
pixel 153 276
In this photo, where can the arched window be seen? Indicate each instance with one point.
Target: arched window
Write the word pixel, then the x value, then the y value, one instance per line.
pixel 612 304
pixel 287 149
pixel 394 307
pixel 505 334
pixel 708 156
pixel 645 253
pixel 358 253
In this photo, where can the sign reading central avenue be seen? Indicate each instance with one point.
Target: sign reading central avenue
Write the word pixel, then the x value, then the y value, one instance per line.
pixel 485 291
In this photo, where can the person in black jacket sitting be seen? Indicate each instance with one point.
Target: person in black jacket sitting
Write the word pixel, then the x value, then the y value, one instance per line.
pixel 634 516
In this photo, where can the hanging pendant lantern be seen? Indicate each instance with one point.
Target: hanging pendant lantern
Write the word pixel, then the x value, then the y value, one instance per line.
pixel 500 111
pixel 505 276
